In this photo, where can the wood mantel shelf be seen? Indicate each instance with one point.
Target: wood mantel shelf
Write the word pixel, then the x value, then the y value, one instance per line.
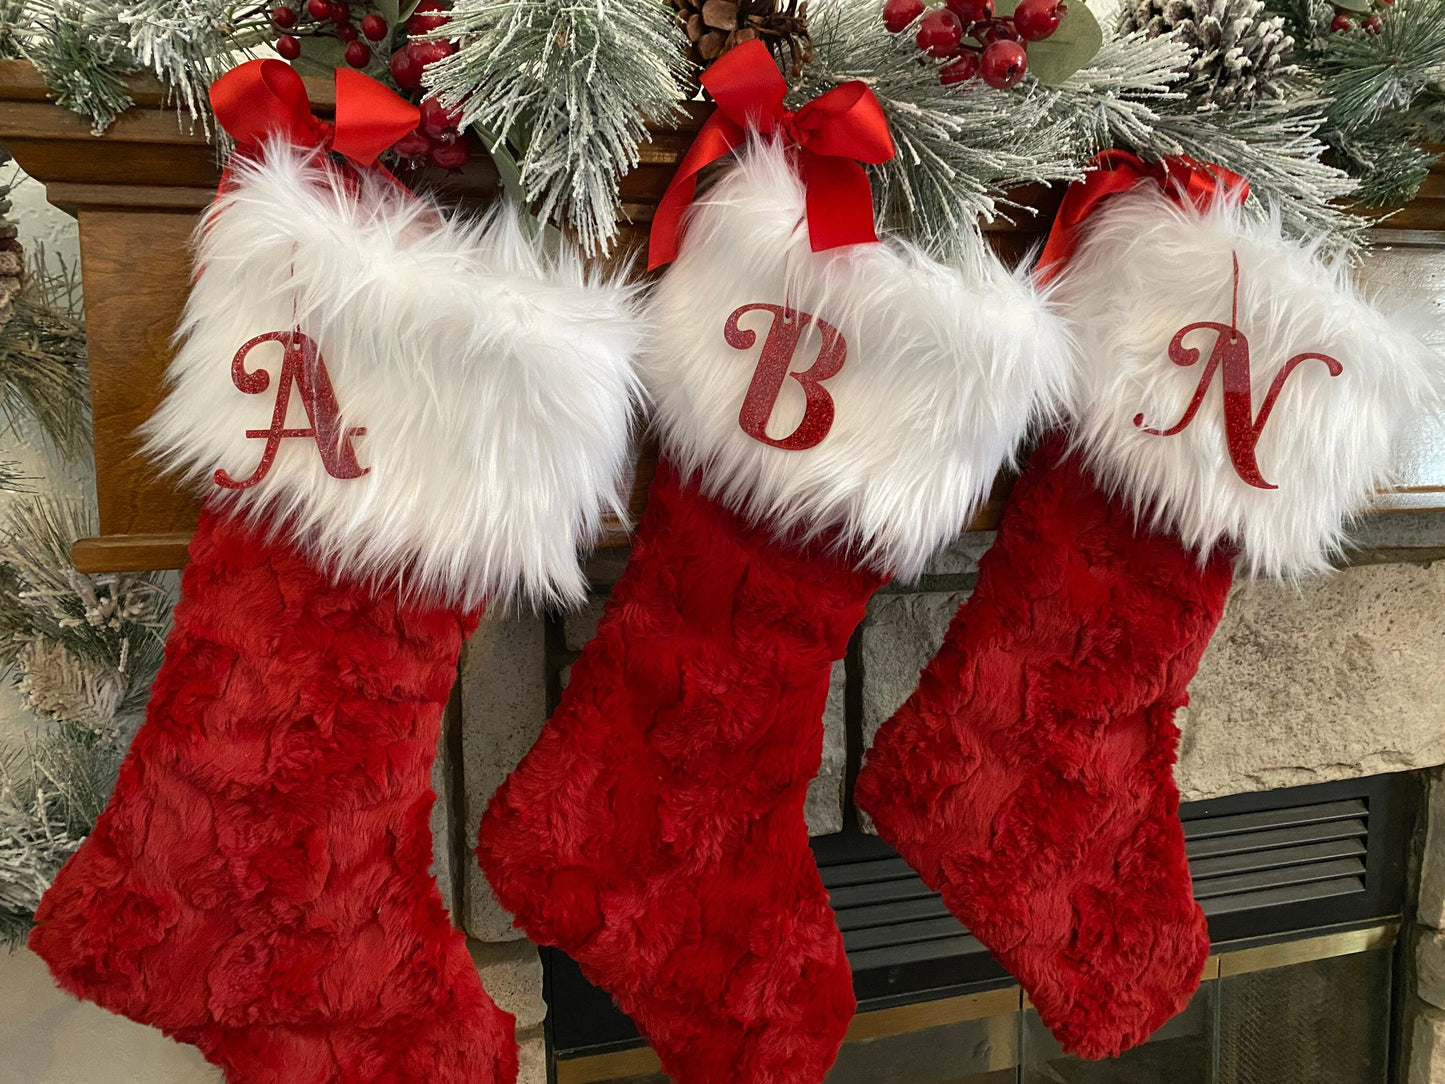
pixel 137 190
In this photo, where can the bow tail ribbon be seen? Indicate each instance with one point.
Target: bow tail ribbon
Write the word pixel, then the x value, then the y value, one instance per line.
pixel 265 98
pixel 834 134
pixel 1186 181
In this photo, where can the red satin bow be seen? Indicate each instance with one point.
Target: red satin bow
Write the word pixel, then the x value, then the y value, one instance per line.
pixel 1115 171
pixel 263 97
pixel 834 133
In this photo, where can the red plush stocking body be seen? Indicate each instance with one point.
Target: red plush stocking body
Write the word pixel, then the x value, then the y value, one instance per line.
pixel 1029 778
pixel 655 831
pixel 259 884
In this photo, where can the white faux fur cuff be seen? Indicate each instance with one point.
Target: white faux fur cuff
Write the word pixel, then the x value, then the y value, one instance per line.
pixel 468 421
pixel 866 389
pixel 1149 404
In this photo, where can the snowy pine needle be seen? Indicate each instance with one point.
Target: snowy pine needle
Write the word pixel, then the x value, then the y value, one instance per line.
pixel 572 85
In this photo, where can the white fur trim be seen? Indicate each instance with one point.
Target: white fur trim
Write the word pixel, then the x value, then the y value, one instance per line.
pixel 946 368
pixel 495 385
pixel 1145 269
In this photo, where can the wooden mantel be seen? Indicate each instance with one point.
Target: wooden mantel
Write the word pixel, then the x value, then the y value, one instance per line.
pixel 136 192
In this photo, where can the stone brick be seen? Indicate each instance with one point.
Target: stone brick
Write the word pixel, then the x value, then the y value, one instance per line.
pixel 1400 534
pixel 1432 866
pixel 504 704
pixel 604 567
pixel 531 1057
pixel 1430 967
pixel 443 812
pixel 1427 1048
pixel 902 633
pixel 1343 676
pixel 824 806
pixel 47 1037
pixel 512 973
pixel 960 557
pixel 579 626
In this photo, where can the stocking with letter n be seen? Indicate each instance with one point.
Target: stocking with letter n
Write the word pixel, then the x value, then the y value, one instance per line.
pixel 830 408
pixel 396 419
pixel 1234 402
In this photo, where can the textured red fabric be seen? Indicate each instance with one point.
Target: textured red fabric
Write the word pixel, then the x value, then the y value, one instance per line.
pixel 655 831
pixel 259 884
pixel 1029 779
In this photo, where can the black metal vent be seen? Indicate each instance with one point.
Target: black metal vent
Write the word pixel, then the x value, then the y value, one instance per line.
pixel 1272 864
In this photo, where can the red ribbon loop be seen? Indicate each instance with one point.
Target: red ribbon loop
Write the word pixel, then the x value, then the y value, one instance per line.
pixel 1182 178
pixel 261 98
pixel 834 134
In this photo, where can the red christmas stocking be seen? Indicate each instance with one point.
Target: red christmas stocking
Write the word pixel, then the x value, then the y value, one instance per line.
pixel 655 832
pixel 1029 777
pixel 395 418
pixel 259 884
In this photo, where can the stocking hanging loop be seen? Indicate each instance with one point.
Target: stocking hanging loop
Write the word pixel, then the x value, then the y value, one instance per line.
pixel 1184 179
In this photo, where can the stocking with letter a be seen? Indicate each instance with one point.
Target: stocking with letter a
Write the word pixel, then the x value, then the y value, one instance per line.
pixel 395 419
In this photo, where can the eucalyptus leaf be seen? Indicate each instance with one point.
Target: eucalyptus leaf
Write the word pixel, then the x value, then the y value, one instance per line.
pixel 320 56
pixel 1360 7
pixel 390 10
pixel 1071 47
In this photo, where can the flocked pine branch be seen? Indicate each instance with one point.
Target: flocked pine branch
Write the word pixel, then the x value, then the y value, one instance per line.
pixel 1277 143
pixel 1368 75
pixel 42 358
pixel 1276 146
pixel 111 623
pixel 1116 99
pixel 83 650
pixel 80 53
pixel 188 44
pixel 572 84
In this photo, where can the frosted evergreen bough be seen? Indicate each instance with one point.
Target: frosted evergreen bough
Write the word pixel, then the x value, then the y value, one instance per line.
pixel 82 651
pixel 188 44
pixel 572 86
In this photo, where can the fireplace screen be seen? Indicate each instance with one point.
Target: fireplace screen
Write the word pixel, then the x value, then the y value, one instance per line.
pixel 1303 889
pixel 1316 1011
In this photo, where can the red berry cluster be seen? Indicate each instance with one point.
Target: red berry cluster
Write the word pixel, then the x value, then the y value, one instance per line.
pixel 330 19
pixel 979 43
pixel 437 138
pixel 1345 21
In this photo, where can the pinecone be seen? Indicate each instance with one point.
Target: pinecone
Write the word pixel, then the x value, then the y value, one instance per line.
pixel 1241 55
pixel 715 26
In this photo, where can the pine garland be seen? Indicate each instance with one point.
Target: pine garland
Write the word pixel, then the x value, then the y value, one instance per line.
pixel 569 89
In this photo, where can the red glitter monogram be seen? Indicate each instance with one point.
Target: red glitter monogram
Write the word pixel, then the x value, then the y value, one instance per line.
pixel 1230 353
pixel 302 366
pixel 784 334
